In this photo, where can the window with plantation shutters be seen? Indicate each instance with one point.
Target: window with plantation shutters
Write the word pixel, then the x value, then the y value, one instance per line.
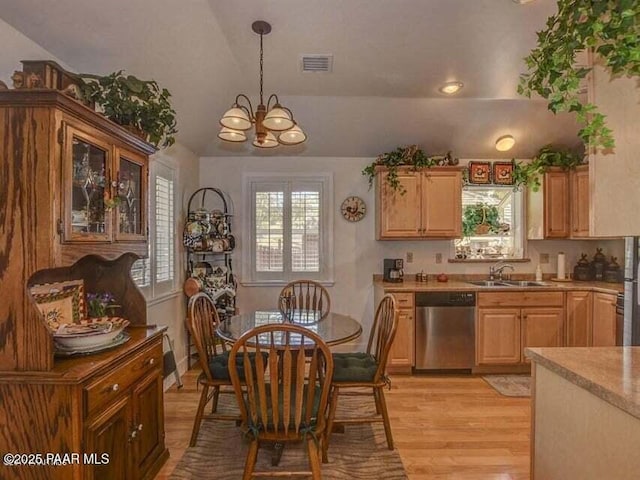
pixel 290 228
pixel 155 275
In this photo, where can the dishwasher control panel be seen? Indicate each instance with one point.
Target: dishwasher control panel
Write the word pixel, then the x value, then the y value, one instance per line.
pixel 445 299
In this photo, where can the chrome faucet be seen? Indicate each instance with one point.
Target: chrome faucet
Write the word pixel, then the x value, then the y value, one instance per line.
pixel 497 269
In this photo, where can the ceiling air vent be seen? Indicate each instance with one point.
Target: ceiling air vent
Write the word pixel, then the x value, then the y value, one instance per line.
pixel 317 63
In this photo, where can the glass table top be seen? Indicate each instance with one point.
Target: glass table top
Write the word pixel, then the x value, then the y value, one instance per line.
pixel 334 329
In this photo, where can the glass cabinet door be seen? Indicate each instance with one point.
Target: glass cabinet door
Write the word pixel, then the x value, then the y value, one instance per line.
pixel 87 216
pixel 131 194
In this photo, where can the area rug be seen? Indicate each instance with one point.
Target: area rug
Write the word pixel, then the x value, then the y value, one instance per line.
pixel 510 385
pixel 360 453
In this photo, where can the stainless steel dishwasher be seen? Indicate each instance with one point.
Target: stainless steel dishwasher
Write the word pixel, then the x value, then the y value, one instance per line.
pixel 445 330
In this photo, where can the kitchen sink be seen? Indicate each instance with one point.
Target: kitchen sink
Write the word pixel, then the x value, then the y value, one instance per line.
pixel 489 283
pixel 524 283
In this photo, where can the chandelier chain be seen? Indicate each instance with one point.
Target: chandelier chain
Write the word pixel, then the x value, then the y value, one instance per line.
pixel 261 66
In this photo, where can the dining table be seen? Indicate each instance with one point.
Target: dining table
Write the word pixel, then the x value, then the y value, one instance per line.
pixel 333 328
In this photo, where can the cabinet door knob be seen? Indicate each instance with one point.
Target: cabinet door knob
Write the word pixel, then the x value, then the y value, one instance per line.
pixel 139 427
pixel 152 361
pixel 115 387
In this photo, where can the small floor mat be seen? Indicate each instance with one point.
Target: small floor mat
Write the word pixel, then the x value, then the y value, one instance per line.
pixel 510 385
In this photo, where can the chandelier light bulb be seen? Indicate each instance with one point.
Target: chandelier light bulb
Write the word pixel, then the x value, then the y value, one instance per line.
pixel 505 143
pixel 450 88
pixel 293 136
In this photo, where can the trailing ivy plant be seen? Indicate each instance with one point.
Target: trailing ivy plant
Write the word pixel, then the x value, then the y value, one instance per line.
pixel 410 156
pixel 611 30
pixel 528 174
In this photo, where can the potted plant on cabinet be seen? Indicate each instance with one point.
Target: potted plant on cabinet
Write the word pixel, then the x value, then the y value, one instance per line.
pixel 141 106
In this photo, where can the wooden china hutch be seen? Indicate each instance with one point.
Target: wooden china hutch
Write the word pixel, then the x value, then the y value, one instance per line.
pixel 73 196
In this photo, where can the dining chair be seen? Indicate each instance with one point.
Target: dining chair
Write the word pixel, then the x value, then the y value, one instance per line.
pixel 202 322
pixel 306 297
pixel 287 402
pixel 352 371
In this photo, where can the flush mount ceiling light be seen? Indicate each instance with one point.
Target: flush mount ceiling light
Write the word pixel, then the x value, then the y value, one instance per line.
pixel 450 88
pixel 505 143
pixel 274 124
pixel 522 2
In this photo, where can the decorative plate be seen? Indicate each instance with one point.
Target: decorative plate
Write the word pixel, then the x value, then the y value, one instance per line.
pixel 353 209
pixel 122 338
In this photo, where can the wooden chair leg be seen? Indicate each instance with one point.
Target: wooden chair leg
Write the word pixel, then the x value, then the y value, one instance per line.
pixel 375 397
pixel 204 396
pixel 214 403
pixel 250 463
pixel 385 416
pixel 332 415
pixel 314 459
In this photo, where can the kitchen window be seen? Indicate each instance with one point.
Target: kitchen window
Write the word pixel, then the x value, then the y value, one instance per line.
pixel 492 224
pixel 162 247
pixel 288 228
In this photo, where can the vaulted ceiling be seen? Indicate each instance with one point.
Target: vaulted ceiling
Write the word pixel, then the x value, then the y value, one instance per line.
pixel 390 57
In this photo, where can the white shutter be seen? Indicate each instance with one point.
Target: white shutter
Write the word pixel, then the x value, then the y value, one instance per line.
pixel 305 231
pixel 269 230
pixel 141 272
pixel 164 229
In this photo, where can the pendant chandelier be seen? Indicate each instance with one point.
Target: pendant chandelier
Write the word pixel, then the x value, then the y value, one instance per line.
pixel 274 124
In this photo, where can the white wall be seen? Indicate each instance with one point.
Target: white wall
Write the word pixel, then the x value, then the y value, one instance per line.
pixel 171 309
pixel 357 255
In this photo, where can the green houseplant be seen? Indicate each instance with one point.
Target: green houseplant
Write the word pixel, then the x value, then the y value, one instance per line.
pixel 528 174
pixel 480 219
pixel 140 105
pixel 410 156
pixel 611 30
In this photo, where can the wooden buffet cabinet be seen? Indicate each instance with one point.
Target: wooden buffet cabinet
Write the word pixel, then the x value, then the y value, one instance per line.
pixel 75 207
pixel 430 207
pixel 508 321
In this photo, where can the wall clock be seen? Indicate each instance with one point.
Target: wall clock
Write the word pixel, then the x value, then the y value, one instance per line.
pixel 353 209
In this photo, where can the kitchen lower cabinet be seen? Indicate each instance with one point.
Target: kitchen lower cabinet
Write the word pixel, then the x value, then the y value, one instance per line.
pixel 498 336
pixel 579 308
pixel 401 355
pixel 509 322
pixel 604 320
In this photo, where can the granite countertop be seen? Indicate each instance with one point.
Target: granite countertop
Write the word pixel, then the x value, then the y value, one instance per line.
pixel 611 373
pixel 463 285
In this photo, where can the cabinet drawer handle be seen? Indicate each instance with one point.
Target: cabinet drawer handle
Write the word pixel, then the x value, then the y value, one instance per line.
pixel 139 427
pixel 115 387
pixel 151 361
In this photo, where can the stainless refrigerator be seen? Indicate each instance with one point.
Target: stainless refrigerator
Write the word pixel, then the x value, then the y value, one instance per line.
pixel 631 323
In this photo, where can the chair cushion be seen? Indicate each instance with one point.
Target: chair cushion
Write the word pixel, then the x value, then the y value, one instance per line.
pixel 354 367
pixel 219 365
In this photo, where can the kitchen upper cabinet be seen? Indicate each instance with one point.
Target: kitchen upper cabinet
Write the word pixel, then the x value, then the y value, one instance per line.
pixel 604 320
pixel 579 202
pixel 431 206
pixel 556 204
pixel 578 319
pixel 615 174
pixel 560 209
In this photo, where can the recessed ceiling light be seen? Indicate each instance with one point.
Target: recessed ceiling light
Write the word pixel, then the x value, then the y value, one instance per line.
pixel 450 88
pixel 505 143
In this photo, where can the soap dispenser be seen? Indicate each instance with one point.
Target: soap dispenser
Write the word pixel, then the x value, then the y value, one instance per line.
pixel 538 273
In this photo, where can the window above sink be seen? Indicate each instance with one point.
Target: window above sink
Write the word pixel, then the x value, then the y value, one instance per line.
pixel 493 224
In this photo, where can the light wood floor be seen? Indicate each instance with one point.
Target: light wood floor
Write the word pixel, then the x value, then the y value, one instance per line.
pixel 444 427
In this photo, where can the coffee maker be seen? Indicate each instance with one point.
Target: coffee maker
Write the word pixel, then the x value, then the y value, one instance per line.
pixel 393 270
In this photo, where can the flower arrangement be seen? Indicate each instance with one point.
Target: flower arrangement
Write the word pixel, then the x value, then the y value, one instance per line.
pixel 98 304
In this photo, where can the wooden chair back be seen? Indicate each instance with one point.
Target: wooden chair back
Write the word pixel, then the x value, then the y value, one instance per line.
pixel 383 332
pixel 281 394
pixel 306 297
pixel 202 323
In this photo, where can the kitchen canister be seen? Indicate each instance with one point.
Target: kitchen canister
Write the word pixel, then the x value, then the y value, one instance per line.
pixel 561 266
